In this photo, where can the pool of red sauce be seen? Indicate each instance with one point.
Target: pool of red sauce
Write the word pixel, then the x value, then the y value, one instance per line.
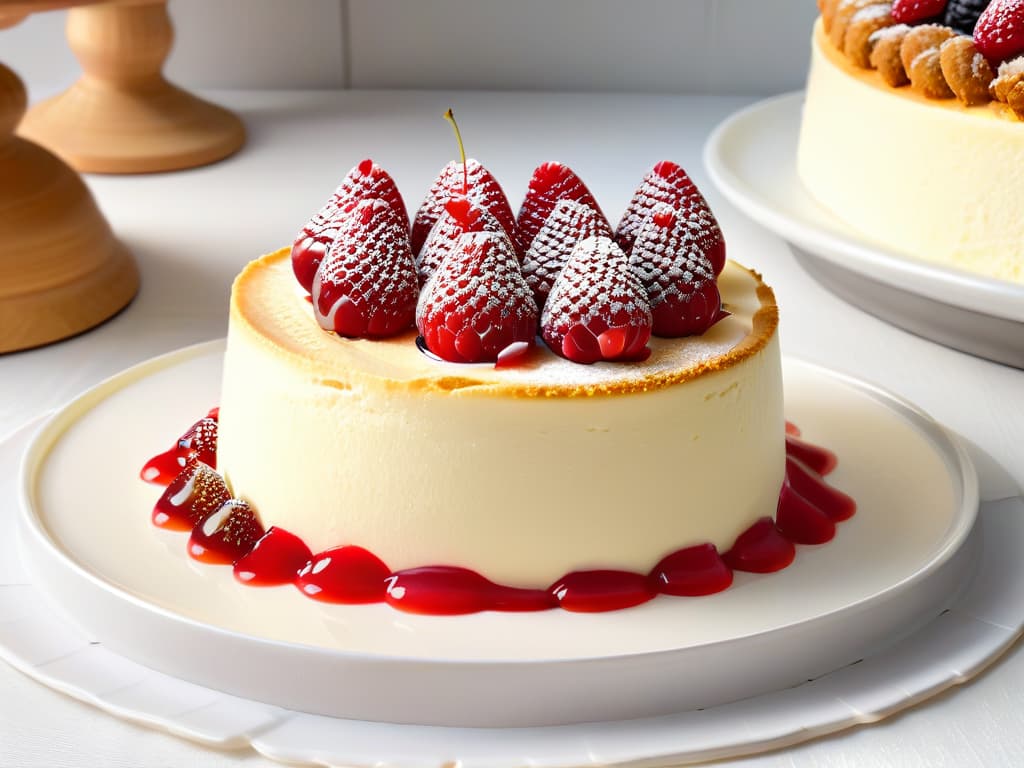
pixel 807 513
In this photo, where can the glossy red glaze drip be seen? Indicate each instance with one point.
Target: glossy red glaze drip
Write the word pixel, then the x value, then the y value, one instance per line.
pixel 821 460
pixel 800 521
pixel 344 575
pixel 446 590
pixel 164 467
pixel 597 591
pixel 760 549
pixel 693 571
pixel 807 512
pixel 276 559
pixel 812 486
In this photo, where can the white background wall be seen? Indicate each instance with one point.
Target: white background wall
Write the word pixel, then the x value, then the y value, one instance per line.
pixel 727 46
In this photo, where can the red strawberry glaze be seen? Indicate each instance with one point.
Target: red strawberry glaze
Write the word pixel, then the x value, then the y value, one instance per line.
pixel 275 559
pixel 198 442
pixel 808 511
pixel 196 492
pixel 821 460
pixel 445 590
pixel 693 571
pixel 800 521
pixel 760 549
pixel 809 484
pixel 599 591
pixel 346 574
pixel 226 534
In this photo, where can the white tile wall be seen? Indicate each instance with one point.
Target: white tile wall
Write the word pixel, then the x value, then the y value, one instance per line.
pixel 731 46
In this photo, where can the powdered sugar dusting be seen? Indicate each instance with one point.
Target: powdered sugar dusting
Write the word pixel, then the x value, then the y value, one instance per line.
pixel 443 237
pixel 596 289
pixel 569 223
pixel 549 184
pixel 671 186
pixel 356 186
pixel 483 191
pixel 368 273
pixel 477 302
pixel 668 259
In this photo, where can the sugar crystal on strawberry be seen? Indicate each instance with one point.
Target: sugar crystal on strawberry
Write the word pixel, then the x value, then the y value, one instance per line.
pixel 550 184
pixel 999 33
pixel 481 188
pixel 460 216
pixel 568 223
pixel 225 535
pixel 365 180
pixel 679 280
pixel 366 285
pixel 597 308
pixel 668 184
pixel 477 303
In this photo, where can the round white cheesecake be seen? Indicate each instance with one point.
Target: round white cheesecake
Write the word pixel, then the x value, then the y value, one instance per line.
pixel 933 179
pixel 523 474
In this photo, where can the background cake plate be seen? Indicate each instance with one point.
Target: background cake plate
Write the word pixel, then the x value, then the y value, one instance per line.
pixel 751 157
pixel 978 624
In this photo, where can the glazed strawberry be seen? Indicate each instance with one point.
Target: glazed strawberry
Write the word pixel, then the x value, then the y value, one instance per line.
pixel 477 184
pixel 569 223
pixel 999 33
pixel 669 184
pixel 366 286
pixel 225 535
pixel 477 303
pixel 550 183
pixel 914 11
pixel 679 281
pixel 364 181
pixel 275 559
pixel 459 217
pixel 195 493
pixel 200 441
pixel 597 308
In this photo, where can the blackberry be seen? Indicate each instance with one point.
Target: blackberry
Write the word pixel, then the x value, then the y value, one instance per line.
pixel 962 15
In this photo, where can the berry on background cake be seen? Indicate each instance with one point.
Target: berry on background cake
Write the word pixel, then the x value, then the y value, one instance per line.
pixel 458 430
pixel 912 129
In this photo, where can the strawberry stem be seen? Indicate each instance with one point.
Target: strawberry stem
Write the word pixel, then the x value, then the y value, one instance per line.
pixel 450 117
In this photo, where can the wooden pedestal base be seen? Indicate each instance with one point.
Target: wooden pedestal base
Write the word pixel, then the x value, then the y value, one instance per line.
pixel 61 269
pixel 122 116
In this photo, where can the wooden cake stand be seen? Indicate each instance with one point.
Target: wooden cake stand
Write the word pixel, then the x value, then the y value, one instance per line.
pixel 123 116
pixel 61 269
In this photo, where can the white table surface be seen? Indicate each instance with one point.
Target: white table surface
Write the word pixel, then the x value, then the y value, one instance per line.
pixel 192 231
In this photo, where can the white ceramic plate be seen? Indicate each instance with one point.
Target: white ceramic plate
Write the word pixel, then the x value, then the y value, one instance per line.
pixel 751 157
pixel 894 566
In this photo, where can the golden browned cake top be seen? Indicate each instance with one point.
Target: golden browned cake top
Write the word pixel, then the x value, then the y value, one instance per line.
pixel 269 308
